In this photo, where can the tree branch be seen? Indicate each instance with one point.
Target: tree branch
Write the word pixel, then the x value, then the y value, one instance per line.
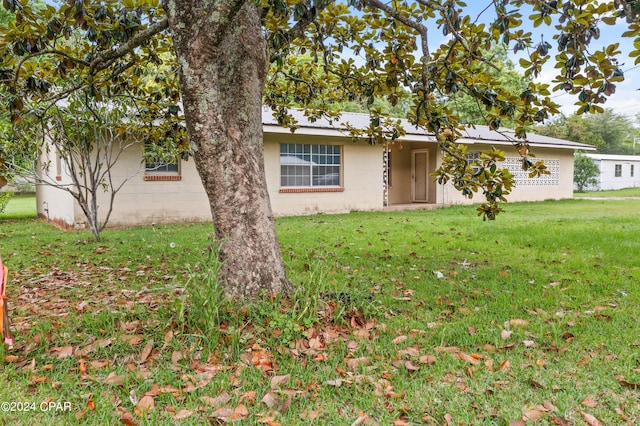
pixel 104 60
pixel 298 30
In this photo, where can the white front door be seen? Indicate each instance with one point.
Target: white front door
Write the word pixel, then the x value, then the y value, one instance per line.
pixel 420 175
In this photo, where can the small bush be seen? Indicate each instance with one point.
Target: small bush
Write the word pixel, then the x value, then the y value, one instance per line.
pixel 4 200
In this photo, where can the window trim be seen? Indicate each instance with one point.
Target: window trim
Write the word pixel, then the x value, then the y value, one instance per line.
pixel 311 187
pixel 153 171
pixel 617 170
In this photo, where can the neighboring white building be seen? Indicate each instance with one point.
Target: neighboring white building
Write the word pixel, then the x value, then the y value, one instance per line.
pixel 616 171
pixel 318 169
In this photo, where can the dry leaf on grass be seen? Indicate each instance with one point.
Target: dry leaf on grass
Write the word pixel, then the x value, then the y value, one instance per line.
pixel 132 339
pixel 427 359
pixel 114 379
pixel 279 381
pixel 145 405
pixel 183 414
pixel 63 352
pixel 468 358
pixel 219 400
pixel 590 419
pixel 518 322
pixel 146 352
pixel 354 363
pixel 399 340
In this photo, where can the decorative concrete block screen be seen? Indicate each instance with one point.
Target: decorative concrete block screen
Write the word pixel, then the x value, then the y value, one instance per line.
pixel 514 164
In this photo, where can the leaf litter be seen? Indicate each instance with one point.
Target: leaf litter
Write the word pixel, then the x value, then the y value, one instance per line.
pixel 360 367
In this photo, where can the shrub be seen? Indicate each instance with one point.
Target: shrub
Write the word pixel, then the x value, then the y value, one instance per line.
pixel 585 171
pixel 4 200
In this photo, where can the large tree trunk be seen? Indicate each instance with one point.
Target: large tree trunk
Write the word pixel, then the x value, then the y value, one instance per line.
pixel 223 65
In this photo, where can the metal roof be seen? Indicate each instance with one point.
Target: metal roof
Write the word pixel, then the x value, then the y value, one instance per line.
pixel 470 135
pixel 614 157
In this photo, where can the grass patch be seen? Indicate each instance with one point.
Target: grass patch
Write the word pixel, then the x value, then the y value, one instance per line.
pixel 626 192
pixel 415 317
pixel 20 207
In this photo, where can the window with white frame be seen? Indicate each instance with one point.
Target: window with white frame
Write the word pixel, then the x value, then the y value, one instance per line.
pixel 160 165
pixel 473 159
pixel 618 170
pixel 310 165
pixel 631 171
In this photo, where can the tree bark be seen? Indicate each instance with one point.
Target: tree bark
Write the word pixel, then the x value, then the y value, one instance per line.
pixel 221 52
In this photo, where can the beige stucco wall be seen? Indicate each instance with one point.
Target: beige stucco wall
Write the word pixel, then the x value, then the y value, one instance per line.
pixel 147 201
pixel 362 171
pixel 53 204
pixel 143 201
pixel 531 189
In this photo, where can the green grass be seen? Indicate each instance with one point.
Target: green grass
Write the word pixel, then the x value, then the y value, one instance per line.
pixel 386 307
pixel 20 207
pixel 626 192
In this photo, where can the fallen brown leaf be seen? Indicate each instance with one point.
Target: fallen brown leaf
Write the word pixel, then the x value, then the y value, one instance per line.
pixel 467 358
pixel 625 384
pixel 311 414
pixel 410 366
pixel 427 359
pixel 535 384
pixel 148 348
pixel 590 402
pixel 549 406
pixel 113 379
pixel 399 340
pixel 448 418
pixel 176 356
pixel 278 381
pixel 354 363
pixel 533 414
pixel 221 413
pixel 98 363
pixel 518 322
pixel 561 421
pixel 620 411
pixel 145 405
pixel 219 400
pixel 590 419
pixel 269 421
pixel 504 365
pixel 183 414
pixel 271 400
pixel 63 352
pixel 248 397
pixel 127 419
pixel 132 339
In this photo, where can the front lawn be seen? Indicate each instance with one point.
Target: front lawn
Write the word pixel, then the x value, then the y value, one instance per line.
pixel 414 317
pixel 626 192
pixel 20 207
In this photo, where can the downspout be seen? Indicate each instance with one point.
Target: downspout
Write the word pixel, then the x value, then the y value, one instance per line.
pixel 385 174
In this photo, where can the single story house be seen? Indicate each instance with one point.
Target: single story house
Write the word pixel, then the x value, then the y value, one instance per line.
pixel 317 169
pixel 616 171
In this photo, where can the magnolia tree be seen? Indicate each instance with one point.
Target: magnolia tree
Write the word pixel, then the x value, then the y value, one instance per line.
pixel 234 56
pixel 74 146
